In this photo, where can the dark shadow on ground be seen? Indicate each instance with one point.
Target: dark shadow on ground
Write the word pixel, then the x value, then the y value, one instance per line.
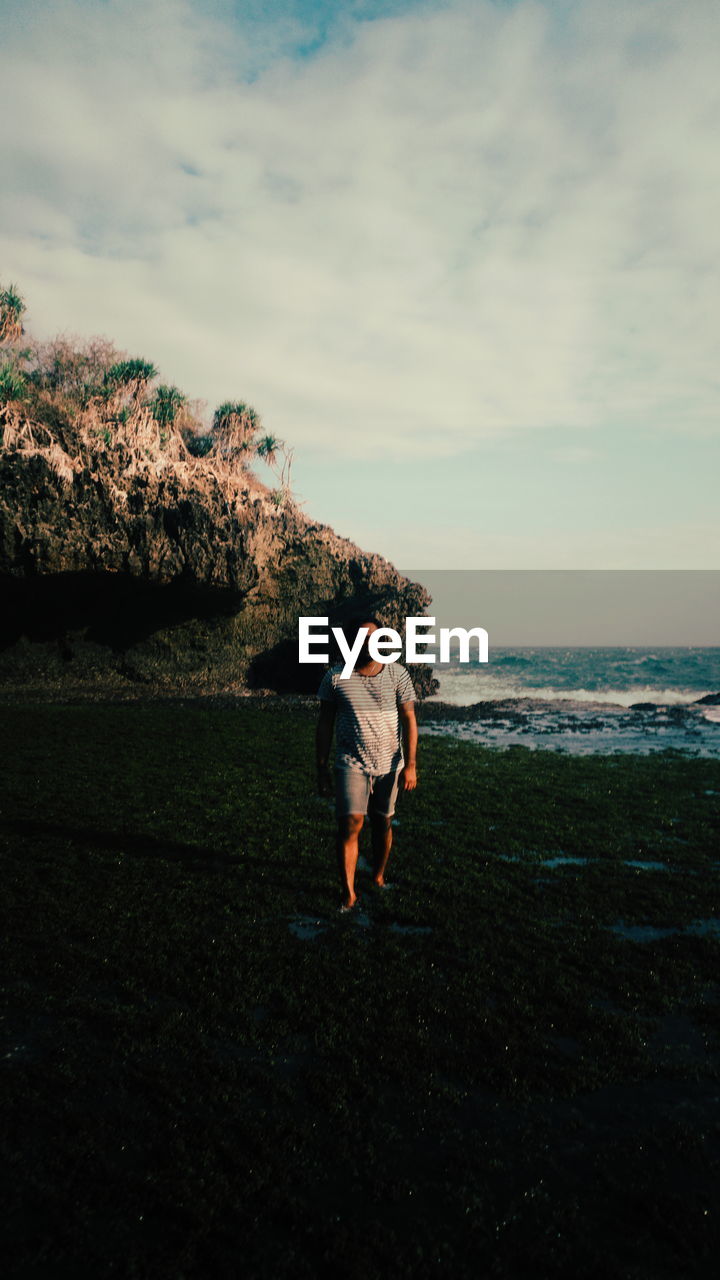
pixel 134 844
pixel 158 849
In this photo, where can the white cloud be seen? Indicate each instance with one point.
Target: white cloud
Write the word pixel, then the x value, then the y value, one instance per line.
pixel 441 227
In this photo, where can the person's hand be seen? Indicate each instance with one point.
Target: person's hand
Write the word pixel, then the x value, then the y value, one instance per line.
pixel 408 778
pixel 324 782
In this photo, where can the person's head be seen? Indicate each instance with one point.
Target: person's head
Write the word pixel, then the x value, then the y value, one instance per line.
pixel 351 628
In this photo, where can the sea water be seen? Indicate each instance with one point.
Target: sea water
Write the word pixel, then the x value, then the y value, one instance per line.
pixel 585 700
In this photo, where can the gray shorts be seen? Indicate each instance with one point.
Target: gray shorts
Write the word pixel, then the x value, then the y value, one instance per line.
pixel 358 792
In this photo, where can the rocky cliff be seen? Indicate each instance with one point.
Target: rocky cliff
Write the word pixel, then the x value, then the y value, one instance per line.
pixel 124 558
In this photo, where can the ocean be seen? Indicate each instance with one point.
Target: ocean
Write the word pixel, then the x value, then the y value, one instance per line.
pixel 583 700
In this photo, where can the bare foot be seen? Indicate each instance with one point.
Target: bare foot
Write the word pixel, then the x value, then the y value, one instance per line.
pixel 349 903
pixel 379 881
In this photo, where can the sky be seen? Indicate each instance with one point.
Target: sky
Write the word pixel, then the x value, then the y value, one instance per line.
pixel 463 257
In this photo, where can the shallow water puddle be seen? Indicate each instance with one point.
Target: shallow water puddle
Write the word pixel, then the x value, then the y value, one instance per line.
pixel 709 928
pixel 310 927
pixel 566 860
pixel 306 927
pixel 640 932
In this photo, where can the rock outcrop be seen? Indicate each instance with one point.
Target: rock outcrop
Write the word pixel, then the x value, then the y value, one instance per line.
pixel 123 558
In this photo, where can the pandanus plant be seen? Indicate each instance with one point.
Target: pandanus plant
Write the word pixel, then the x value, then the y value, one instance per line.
pixel 278 457
pixel 267 448
pixel 166 404
pixel 12 309
pixel 133 374
pixel 234 428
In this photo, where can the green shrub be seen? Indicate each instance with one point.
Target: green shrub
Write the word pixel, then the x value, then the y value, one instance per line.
pixel 13 384
pixel 198 444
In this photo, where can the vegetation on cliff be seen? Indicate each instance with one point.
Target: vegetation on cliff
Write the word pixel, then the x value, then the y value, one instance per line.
pixel 138 543
pixel 117 400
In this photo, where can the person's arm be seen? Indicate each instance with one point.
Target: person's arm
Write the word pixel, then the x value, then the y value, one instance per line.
pixel 323 743
pixel 408 724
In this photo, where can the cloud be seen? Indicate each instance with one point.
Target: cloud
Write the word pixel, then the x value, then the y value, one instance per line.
pixel 439 227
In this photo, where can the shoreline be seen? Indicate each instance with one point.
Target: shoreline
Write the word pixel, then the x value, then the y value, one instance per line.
pixel 434 707
pixel 561 727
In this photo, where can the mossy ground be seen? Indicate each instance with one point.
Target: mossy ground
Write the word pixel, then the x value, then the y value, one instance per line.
pixel 196 1090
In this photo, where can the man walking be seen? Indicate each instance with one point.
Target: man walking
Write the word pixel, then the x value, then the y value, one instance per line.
pixel 373 714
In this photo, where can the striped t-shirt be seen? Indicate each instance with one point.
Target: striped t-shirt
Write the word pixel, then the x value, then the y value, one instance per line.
pixel 367 727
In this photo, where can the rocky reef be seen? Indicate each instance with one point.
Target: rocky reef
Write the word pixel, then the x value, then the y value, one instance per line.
pixel 126 559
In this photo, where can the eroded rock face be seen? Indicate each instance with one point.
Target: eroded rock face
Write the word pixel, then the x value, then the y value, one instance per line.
pixel 153 566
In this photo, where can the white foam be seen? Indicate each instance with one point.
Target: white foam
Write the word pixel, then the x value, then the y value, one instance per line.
pixel 462 691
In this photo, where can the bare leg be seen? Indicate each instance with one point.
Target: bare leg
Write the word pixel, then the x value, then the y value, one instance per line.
pixel 381 829
pixel 349 828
